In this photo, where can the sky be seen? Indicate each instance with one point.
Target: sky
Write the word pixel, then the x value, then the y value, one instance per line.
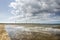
pixel 30 11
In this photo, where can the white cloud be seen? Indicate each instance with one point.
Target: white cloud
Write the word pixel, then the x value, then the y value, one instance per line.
pixel 35 10
pixel 13 4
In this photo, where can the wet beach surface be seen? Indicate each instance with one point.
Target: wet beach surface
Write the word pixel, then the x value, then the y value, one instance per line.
pixel 18 32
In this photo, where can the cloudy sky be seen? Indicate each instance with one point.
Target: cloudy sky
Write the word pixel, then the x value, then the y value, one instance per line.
pixel 30 11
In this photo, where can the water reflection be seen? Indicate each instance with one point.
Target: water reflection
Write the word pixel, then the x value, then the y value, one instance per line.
pixel 17 32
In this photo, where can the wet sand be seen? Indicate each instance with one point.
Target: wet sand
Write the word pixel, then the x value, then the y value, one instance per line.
pixel 29 32
pixel 17 32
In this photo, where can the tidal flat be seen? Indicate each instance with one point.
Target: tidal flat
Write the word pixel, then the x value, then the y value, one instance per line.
pixel 31 32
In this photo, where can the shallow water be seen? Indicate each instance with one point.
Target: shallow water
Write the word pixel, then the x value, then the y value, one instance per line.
pixel 17 32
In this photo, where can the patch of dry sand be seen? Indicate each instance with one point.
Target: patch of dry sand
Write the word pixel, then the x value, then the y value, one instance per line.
pixel 3 33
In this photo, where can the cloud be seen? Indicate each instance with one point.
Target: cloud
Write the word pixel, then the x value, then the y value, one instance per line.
pixel 30 10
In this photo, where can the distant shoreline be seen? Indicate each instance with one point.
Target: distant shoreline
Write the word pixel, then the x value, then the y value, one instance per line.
pixel 28 24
